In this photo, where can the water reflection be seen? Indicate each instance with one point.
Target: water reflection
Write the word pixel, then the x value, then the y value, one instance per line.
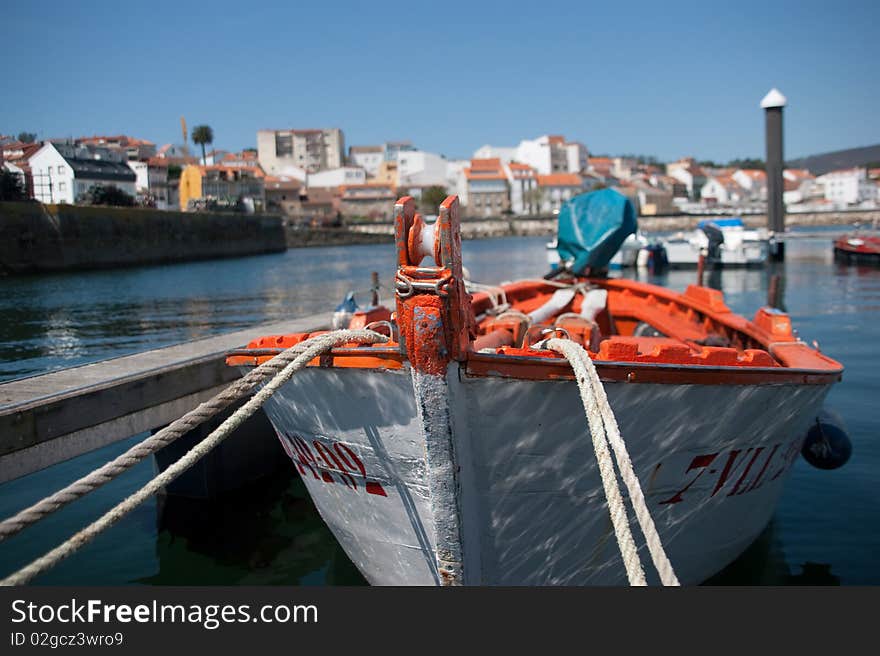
pixel 53 321
pixel 265 534
pixel 764 563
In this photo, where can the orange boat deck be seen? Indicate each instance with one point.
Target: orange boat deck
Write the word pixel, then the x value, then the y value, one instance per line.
pixel 696 338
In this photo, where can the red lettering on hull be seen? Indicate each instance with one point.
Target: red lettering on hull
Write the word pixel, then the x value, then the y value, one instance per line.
pixel 733 463
pixel 337 463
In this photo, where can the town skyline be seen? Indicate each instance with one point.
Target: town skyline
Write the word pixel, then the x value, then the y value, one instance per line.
pixel 665 82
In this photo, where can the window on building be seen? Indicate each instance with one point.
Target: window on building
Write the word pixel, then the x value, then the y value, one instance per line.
pixel 283 145
pixel 60 170
pixel 62 186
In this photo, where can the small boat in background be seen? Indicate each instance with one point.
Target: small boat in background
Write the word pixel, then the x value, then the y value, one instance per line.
pixel 858 247
pixel 724 242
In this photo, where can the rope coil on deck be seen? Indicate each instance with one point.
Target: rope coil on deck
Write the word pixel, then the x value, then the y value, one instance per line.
pixel 289 362
pixel 604 430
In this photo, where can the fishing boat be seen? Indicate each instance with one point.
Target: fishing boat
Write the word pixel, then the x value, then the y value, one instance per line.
pixel 458 451
pixel 723 242
pixel 858 247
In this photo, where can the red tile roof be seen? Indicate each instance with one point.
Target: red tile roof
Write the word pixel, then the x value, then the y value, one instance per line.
pixel 560 180
pixel 518 170
pixel 491 163
pixel 485 169
pixel 800 174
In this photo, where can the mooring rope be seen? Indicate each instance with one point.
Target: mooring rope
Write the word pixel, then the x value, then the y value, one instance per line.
pixel 302 354
pixel 236 391
pixel 604 430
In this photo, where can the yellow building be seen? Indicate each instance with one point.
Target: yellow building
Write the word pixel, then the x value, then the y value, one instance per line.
pixel 220 184
pixel 190 184
pixel 387 174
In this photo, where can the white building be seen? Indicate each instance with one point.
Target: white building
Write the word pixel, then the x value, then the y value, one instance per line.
pixel 483 188
pixel 848 186
pixel 391 149
pixel 722 190
pixel 577 155
pixel 556 188
pixel 344 175
pixel 546 154
pixel 455 181
pixel 367 157
pixel 799 186
pixel 503 153
pixel 689 173
pixel 417 168
pixel 523 182
pixel 623 168
pixel 753 181
pixel 279 151
pixel 538 154
pixel 151 182
pixel 63 173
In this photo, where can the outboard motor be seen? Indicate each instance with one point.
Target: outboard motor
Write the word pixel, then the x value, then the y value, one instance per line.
pixel 716 238
pixel 827 445
pixel 657 261
pixel 591 229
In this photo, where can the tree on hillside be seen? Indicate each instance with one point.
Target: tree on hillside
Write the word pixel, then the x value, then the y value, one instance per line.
pixel 431 199
pixel 108 195
pixel 11 186
pixel 27 137
pixel 747 163
pixel 202 135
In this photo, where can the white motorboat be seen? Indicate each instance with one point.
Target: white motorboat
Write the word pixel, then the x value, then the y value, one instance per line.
pixel 725 242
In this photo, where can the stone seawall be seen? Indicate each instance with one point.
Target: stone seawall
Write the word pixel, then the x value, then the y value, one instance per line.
pixel 309 237
pixel 688 222
pixel 546 225
pixel 36 238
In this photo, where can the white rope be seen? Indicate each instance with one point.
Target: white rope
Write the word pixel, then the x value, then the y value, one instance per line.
pixel 599 412
pixel 240 389
pixel 311 348
pixel 497 295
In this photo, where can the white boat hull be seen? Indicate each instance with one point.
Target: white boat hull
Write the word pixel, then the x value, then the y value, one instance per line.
pixel 740 248
pixel 521 497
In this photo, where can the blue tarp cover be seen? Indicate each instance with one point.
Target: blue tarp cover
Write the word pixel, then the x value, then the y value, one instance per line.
pixel 733 222
pixel 593 226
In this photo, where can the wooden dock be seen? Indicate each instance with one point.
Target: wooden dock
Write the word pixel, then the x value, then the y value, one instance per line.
pixel 53 417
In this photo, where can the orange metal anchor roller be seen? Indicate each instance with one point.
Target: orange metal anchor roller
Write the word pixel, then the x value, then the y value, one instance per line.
pixel 433 309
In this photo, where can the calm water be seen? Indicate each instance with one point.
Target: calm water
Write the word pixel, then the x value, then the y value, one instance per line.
pixel 826 529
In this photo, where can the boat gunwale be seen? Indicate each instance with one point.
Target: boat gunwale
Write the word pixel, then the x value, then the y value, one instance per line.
pixel 546 368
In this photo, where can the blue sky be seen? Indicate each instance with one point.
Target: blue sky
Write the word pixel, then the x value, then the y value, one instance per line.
pixel 659 78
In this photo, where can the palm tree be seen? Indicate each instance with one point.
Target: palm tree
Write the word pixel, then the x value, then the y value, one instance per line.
pixel 201 135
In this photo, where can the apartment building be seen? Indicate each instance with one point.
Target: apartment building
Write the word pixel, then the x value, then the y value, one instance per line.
pixel 280 151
